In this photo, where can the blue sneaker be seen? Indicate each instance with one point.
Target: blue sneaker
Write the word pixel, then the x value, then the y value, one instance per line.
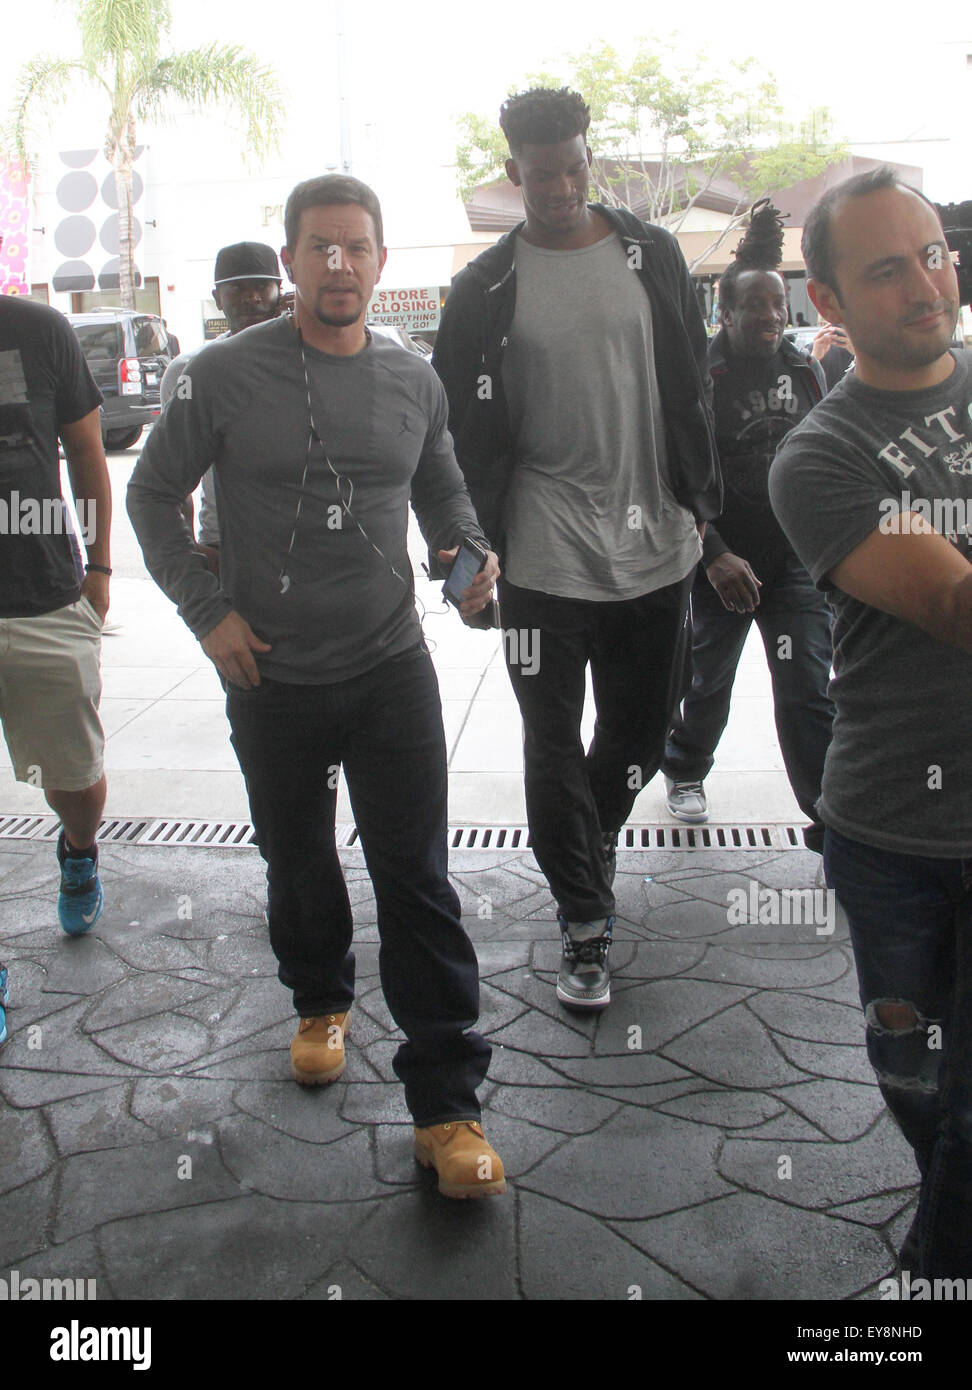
pixel 81 899
pixel 4 996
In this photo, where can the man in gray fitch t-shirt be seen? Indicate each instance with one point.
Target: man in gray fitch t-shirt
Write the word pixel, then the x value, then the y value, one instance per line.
pixel 320 435
pixel 874 490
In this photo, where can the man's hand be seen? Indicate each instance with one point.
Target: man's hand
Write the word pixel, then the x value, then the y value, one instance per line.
pixel 830 335
pixel 734 582
pixel 230 646
pixel 480 591
pixel 95 590
pixel 210 554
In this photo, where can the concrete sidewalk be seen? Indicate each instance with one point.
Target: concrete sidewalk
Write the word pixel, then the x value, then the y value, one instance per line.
pixel 715 1134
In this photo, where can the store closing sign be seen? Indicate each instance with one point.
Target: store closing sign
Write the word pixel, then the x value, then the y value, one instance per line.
pixel 417 311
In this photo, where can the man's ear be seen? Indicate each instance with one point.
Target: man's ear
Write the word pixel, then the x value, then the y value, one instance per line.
pixel 825 301
pixel 382 258
pixel 513 172
pixel 285 261
pixel 216 296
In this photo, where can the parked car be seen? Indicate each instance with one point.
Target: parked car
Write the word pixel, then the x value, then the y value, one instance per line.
pixel 127 352
pixel 802 336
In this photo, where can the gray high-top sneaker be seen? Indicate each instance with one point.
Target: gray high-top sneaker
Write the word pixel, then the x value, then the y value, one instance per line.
pixel 686 800
pixel 584 981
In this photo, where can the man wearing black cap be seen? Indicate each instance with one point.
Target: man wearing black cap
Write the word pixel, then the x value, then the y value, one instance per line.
pixel 247 289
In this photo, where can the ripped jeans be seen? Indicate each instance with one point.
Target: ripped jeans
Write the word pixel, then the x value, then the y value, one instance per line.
pixel 911 928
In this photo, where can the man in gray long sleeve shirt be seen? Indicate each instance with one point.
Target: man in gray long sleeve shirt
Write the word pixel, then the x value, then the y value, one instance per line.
pixel 320 435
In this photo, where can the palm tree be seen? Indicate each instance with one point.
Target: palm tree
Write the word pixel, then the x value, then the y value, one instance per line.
pixel 121 44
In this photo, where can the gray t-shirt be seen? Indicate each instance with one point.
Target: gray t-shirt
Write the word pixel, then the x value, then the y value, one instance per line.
pixel 590 513
pixel 899 770
pixel 172 373
pixel 383 416
pixel 208 522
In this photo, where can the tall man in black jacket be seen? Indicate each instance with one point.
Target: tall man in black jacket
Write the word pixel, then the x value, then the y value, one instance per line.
pixel 591 456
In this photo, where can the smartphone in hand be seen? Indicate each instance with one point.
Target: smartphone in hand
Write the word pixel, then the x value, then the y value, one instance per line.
pixel 470 559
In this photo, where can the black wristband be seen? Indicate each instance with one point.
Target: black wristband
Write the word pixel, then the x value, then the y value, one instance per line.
pixel 99 569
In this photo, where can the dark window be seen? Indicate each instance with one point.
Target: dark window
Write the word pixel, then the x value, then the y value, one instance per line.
pixel 100 342
pixel 150 339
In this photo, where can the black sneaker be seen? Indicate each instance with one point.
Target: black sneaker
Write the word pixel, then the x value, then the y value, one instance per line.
pixel 584 981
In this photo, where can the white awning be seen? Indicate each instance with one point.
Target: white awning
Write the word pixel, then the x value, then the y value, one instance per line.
pixel 411 266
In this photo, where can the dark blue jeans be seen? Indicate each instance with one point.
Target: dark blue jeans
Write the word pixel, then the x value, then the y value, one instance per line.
pixel 386 728
pixel 791 607
pixel 638 654
pixel 911 928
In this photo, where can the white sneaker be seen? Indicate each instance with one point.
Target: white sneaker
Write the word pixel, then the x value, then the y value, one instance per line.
pixel 686 801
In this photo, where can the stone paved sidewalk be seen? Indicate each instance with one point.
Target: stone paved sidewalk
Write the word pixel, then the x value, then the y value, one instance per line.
pixel 646 1147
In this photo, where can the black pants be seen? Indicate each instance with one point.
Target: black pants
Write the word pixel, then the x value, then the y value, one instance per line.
pixel 638 653
pixel 794 622
pixel 386 728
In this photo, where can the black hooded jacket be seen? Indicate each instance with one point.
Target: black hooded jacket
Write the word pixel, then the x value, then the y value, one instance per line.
pixel 468 358
pixel 747 526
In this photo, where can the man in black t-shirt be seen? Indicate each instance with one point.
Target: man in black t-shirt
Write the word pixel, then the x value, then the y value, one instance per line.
pixel 50 625
pixel 763 386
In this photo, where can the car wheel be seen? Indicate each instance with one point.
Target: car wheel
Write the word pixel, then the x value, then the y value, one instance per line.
pixel 122 439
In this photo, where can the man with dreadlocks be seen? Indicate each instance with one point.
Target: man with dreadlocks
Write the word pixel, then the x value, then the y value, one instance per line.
pixel 763 386
pixel 590 458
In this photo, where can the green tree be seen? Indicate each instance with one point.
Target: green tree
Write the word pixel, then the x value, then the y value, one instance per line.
pixel 663 134
pixel 121 52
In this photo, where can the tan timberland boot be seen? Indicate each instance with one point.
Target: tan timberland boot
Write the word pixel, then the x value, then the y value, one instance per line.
pixel 467 1166
pixel 317 1051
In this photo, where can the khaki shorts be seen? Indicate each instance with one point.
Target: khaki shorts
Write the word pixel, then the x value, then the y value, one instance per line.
pixel 50 689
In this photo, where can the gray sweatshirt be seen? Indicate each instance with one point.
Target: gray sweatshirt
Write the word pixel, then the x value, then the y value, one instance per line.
pixel 331 601
pixel 208 522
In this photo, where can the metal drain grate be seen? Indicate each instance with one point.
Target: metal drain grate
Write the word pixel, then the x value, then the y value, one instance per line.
pixel 239 834
pixel 125 830
pixel 644 837
pixel 218 834
pixel 25 827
